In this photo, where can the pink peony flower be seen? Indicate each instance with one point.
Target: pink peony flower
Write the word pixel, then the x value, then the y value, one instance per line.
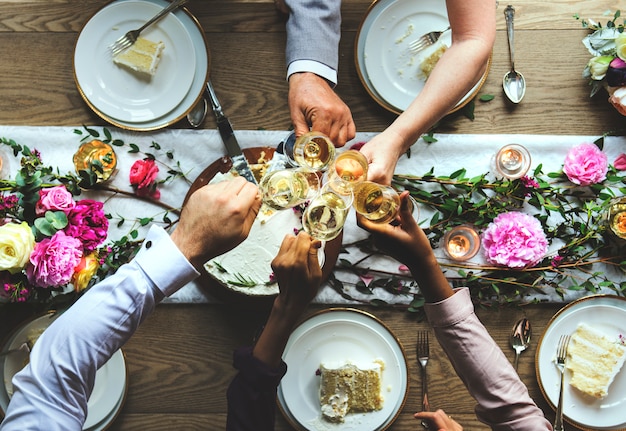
pixel 514 239
pixel 620 162
pixel 54 199
pixel 585 164
pixel 53 260
pixel 88 223
pixel 143 176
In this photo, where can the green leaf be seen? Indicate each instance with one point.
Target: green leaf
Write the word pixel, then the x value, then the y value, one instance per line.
pixel 486 97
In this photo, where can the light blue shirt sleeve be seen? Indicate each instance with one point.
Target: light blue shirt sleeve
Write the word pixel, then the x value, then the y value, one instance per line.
pixel 51 393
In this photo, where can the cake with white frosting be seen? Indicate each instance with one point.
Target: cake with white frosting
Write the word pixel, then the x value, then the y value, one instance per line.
pixel 594 359
pixel 348 387
pixel 247 268
pixel 142 57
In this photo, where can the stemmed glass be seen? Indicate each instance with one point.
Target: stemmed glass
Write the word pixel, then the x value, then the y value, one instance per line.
pixel 347 170
pixel 287 188
pixel 379 203
pixel 326 213
pixel 312 150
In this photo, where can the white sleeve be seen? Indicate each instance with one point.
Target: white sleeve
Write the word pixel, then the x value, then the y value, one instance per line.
pixel 51 392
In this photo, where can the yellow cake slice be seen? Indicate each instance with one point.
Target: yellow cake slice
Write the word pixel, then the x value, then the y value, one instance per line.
pixel 594 360
pixel 142 57
pixel 346 388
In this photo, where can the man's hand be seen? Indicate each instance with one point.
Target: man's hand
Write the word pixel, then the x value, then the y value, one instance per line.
pixel 315 106
pixel 216 218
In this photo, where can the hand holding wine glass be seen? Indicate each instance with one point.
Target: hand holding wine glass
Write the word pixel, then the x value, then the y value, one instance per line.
pixel 312 150
pixel 326 214
pixel 379 203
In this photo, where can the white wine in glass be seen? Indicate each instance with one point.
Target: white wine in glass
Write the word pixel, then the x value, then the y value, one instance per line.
pixel 312 150
pixel 347 170
pixel 287 188
pixel 325 216
pixel 376 202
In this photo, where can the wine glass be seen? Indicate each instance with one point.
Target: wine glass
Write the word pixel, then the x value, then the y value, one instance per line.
pixel 326 213
pixel 287 188
pixel 312 150
pixel 379 203
pixel 347 170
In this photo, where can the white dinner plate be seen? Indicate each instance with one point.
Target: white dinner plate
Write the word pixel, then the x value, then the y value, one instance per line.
pixel 607 313
pixel 336 335
pixel 118 92
pixel 195 90
pixel 109 387
pixel 387 68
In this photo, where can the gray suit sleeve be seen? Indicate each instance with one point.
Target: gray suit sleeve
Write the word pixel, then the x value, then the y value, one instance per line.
pixel 313 31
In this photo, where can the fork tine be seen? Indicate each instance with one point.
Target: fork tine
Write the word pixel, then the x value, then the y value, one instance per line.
pixel 562 348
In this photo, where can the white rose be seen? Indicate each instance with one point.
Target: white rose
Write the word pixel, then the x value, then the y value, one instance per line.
pixel 16 244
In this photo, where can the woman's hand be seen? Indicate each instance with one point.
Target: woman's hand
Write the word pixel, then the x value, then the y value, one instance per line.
pixel 439 421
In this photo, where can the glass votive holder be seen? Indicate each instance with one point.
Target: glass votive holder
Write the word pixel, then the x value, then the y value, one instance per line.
pixel 512 161
pixel 97 157
pixel 461 243
pixel 616 217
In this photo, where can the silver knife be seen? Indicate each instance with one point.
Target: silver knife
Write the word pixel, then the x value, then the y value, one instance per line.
pixel 240 164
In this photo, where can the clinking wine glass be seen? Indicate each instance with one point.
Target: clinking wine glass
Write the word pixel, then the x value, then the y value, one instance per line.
pixel 347 170
pixel 313 150
pixel 287 188
pixel 326 214
pixel 380 203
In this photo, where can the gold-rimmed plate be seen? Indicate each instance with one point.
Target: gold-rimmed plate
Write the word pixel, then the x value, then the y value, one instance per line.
pixel 387 69
pixel 336 335
pixel 110 386
pixel 175 99
pixel 607 313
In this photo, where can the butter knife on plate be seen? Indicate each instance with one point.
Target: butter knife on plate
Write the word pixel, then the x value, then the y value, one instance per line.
pixel 240 164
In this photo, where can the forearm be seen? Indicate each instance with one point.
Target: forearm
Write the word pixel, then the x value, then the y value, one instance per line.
pixel 503 400
pixel 271 344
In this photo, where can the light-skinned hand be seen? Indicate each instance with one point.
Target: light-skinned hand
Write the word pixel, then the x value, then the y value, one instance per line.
pixel 439 421
pixel 215 219
pixel 382 152
pixel 314 105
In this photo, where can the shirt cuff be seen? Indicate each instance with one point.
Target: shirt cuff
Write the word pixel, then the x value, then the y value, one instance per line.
pixel 328 73
pixel 451 310
pixel 260 375
pixel 163 262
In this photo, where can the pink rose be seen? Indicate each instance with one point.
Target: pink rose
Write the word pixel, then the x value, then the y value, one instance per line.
pixel 88 223
pixel 585 164
pixel 143 176
pixel 514 239
pixel 53 260
pixel 620 162
pixel 54 199
pixel 617 98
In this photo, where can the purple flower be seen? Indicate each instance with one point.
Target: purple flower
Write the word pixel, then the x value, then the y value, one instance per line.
pixel 88 223
pixel 8 202
pixel 556 261
pixel 585 164
pixel 529 184
pixel 514 239
pixel 54 199
pixel 53 260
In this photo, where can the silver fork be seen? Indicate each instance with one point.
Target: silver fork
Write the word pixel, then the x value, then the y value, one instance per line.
pixel 423 354
pixel 24 347
pixel 561 354
pixel 426 40
pixel 130 37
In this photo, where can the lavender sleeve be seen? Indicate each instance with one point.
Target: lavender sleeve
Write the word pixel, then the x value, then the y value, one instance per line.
pixel 503 399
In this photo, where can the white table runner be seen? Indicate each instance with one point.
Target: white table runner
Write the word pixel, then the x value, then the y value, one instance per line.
pixel 196 149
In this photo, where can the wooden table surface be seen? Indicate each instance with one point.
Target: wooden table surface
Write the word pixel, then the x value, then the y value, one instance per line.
pixel 180 359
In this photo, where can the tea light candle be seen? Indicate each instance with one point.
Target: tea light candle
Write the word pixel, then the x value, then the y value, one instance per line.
pixel 617 218
pixel 513 161
pixel 461 243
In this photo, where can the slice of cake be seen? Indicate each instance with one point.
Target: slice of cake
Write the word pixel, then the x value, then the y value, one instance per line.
pixel 594 360
pixel 142 57
pixel 348 387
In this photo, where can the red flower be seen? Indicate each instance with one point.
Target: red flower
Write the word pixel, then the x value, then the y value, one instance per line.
pixel 143 176
pixel 88 223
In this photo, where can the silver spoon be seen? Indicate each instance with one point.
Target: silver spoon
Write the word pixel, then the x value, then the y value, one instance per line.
pixel 520 337
pixel 197 114
pixel 513 82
